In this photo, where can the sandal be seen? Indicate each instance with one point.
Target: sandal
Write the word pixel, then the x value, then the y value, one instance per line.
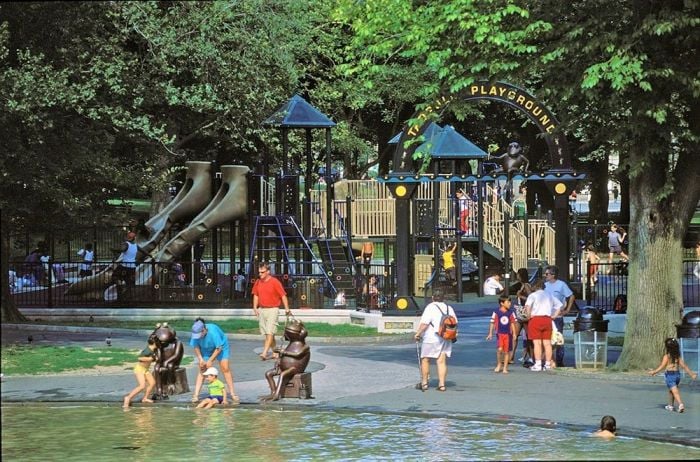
pixel 424 387
pixel 195 399
pixel 264 358
pixel 441 388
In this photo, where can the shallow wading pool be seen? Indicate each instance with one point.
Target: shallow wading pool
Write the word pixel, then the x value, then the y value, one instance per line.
pixel 95 432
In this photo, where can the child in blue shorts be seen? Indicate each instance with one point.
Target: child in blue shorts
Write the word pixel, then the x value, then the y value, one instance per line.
pixel 217 389
pixel 672 361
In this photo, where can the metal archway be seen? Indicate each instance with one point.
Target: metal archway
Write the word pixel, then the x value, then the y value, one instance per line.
pixel 405 166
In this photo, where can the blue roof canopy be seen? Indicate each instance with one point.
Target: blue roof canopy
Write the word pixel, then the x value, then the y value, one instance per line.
pixel 298 113
pixel 448 144
pixel 429 133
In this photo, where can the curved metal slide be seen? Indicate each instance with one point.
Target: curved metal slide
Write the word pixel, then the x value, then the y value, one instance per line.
pixel 194 196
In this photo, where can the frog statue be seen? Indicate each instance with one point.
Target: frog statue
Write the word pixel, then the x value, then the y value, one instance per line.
pixel 170 377
pixel 292 360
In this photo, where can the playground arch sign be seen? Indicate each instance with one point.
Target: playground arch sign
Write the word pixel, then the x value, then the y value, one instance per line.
pixel 501 92
pixel 405 167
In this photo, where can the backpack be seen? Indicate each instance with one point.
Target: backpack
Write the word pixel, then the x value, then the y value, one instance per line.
pixel 447 329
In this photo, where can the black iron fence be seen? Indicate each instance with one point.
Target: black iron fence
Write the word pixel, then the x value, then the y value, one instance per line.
pixel 606 285
pixel 192 283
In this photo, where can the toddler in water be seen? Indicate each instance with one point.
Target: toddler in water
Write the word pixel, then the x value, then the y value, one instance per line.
pixel 608 427
pixel 217 390
pixel 142 371
pixel 672 361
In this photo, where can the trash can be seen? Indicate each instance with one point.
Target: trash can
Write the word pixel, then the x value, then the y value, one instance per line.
pixel 688 332
pixel 590 339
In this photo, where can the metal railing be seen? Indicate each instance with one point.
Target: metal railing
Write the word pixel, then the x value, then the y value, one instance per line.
pixel 605 285
pixel 186 283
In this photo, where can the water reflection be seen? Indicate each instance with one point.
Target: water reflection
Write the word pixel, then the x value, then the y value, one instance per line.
pixel 97 433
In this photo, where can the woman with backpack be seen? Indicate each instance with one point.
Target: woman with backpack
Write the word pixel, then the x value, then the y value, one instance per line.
pixel 434 346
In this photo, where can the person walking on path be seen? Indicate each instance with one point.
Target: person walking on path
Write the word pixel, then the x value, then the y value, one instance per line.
pixel 673 362
pixel 268 295
pixel 144 378
pixel 561 291
pixel 615 241
pixel 503 322
pixel 433 346
pixel 210 345
pixel 541 307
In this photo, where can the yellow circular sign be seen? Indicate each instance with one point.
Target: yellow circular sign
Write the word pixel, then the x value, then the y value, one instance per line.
pixel 401 191
pixel 402 303
pixel 560 188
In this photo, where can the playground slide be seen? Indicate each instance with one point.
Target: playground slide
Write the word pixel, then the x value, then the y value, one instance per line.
pixel 229 203
pixel 192 198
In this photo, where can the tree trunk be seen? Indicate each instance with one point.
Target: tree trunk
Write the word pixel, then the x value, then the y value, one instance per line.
pixel 8 309
pixel 654 290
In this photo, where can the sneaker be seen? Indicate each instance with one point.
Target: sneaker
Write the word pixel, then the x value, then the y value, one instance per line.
pixel 528 364
pixel 547 366
pixel 681 407
pixel 669 408
pixel 536 367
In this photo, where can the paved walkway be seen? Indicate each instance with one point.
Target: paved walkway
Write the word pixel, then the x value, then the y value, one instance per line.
pixel 381 376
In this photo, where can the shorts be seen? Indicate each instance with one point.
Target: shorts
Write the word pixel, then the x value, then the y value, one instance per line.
pixel 219 399
pixel 268 320
pixel 504 342
pixel 142 369
pixel 673 378
pixel 539 328
pixel 434 350
pixel 615 249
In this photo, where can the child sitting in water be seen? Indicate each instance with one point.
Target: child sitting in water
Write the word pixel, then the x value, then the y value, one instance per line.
pixel 142 371
pixel 608 427
pixel 217 389
pixel 672 361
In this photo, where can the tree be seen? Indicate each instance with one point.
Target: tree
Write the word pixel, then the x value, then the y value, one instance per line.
pixel 620 74
pixel 100 99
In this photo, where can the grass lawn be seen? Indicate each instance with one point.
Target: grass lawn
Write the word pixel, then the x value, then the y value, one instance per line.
pixel 234 326
pixel 42 359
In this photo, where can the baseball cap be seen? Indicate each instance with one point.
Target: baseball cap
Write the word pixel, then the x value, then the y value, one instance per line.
pixel 211 371
pixel 130 236
pixel 197 329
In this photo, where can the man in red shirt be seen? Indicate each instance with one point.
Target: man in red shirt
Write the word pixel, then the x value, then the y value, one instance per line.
pixel 268 295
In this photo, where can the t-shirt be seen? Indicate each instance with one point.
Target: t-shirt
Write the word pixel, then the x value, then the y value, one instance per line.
pixel 147 352
pixel 432 317
pixel 542 303
pixel 558 289
pixel 448 261
pixel 503 320
pixel 216 388
pixel 492 286
pixel 269 292
pixel 215 338
pixel 613 239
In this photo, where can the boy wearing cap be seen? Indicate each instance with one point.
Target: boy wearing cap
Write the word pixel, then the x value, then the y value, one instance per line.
pixel 210 344
pixel 217 390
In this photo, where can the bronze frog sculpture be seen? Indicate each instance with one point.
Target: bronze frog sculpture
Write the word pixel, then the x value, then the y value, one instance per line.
pixel 292 360
pixel 169 354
